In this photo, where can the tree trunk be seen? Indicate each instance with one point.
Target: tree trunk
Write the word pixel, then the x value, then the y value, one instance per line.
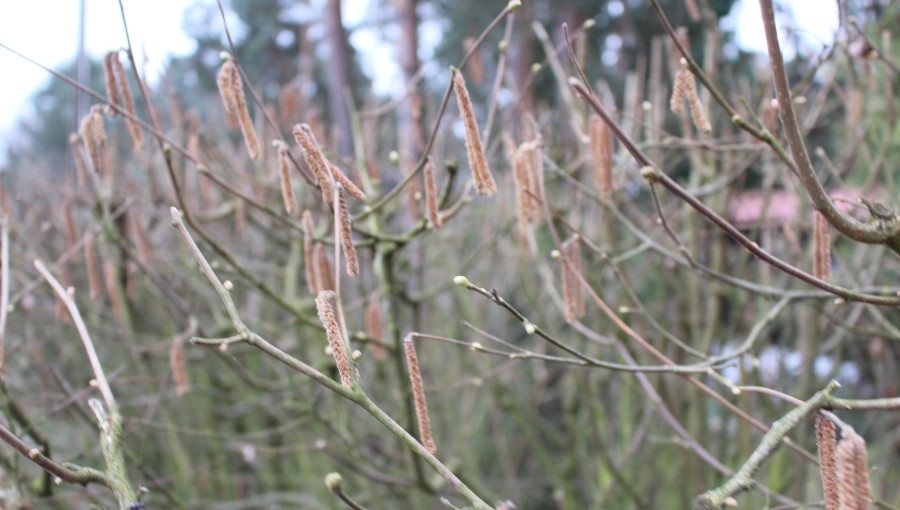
pixel 410 111
pixel 339 78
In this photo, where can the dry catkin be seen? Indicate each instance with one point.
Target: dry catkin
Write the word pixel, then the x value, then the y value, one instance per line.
pixel 536 174
pixel 481 174
pixel 374 322
pixel 347 237
pixel 374 325
pixel 309 259
pixel 289 101
pixel 284 169
pixel 238 104
pixel 522 180
pixel 176 365
pixel 81 171
pixel 697 113
pixel 226 92
pixel 93 137
pixel 415 379
pixel 140 238
pixel 475 65
pixel 686 86
pixel 323 269
pixel 821 247
pixel 90 263
pixel 533 173
pixel 571 265
pixel 348 185
pixel 71 231
pixel 676 102
pixel 112 290
pixel 109 75
pixel 335 338
pixel 602 148
pixel 314 158
pixel 826 440
pixel 853 471
pixel 137 136
pixel 431 195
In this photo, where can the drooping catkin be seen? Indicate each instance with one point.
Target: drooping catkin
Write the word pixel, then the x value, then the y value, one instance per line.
pixel 90 263
pixel 826 441
pixel 571 265
pixel 335 338
pixel 821 247
pixel 536 151
pixel 347 236
pixel 415 380
pixel 602 147
pixel 676 102
pixel 481 174
pixel 109 75
pixel 323 269
pixel 374 325
pixel 853 471
pixel 289 100
pixel 110 275
pixel 137 136
pixel 534 171
pixel 521 181
pixel 314 158
pixel 71 231
pixel 140 238
pixel 229 81
pixel 348 185
pixel 686 86
pixel 93 136
pixel 374 321
pixel 176 365
pixel 431 195
pixel 81 171
pixel 226 93
pixel 475 65
pixel 309 259
pixel 284 171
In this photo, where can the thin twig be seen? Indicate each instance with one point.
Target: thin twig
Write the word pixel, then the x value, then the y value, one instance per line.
pixel 99 376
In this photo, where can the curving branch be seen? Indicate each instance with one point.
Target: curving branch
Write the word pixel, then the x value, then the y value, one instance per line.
pixel 652 174
pixel 743 479
pixel 880 229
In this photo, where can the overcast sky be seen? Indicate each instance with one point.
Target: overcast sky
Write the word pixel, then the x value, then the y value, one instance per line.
pixel 47 31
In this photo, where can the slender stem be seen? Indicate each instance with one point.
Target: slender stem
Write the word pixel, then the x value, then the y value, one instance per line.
pixel 99 376
pixel 66 473
pixel 513 5
pixel 356 394
pixel 743 479
pixel 722 223
pixel 883 232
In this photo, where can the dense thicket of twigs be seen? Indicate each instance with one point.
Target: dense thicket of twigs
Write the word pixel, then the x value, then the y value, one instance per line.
pixel 593 300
